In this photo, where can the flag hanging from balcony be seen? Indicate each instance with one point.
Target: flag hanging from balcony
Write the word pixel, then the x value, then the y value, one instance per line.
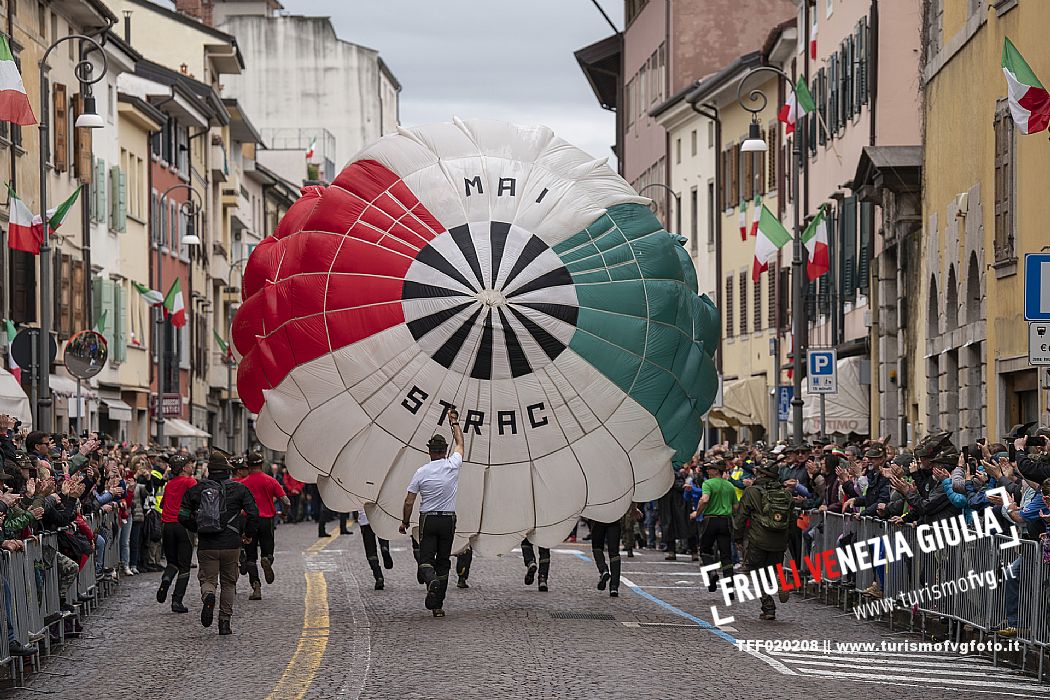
pixel 754 221
pixel 227 349
pixel 152 296
pixel 312 150
pixel 813 42
pixel 772 236
pixel 14 103
pixel 21 234
pixel 57 215
pixel 12 366
pixel 174 308
pixel 1029 100
pixel 815 238
pixel 100 324
pixel 743 220
pixel 799 103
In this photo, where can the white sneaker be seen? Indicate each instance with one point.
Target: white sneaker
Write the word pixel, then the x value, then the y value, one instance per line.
pixel 134 570
pixel 128 571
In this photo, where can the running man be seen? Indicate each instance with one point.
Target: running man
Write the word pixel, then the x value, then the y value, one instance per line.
pixel 368 538
pixel 178 548
pixel 717 499
pixel 435 485
pixel 528 553
pixel 265 490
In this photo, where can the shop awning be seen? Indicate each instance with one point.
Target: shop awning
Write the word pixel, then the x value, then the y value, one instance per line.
pixel 13 399
pixel 117 409
pixel 845 412
pixel 176 427
pixel 67 386
pixel 744 402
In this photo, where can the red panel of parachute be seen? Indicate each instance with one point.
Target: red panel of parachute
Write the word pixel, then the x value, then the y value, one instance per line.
pixel 331 274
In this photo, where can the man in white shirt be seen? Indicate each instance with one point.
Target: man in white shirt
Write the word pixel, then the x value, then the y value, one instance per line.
pixel 435 484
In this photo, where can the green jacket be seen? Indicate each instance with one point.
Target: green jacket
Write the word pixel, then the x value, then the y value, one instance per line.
pixel 16 521
pixel 745 524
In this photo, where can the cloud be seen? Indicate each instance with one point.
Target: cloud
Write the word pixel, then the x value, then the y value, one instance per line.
pixel 496 59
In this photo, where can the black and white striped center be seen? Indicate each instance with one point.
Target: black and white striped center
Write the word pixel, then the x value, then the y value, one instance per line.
pixel 490 300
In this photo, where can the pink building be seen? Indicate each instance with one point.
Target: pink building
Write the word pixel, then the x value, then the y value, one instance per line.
pixel 665 48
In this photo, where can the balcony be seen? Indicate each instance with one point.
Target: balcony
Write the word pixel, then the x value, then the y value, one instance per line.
pixel 220 166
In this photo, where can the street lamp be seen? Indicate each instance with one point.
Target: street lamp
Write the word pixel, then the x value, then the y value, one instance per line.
pixel 161 336
pixel 754 102
pixel 232 362
pixel 677 201
pixel 82 70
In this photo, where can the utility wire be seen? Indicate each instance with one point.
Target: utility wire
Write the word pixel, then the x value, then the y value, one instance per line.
pixel 605 15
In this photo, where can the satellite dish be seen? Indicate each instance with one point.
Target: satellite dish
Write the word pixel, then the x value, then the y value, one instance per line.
pixel 86 354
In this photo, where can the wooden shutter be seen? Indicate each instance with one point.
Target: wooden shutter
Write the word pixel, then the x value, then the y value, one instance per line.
pixel 23 286
pixel 771 296
pixel 743 303
pixel 822 104
pixel 867 220
pixel 60 105
pixel 119 347
pixel 774 149
pixel 748 175
pixel 729 307
pixel 757 312
pixel 864 56
pixel 848 248
pixel 760 167
pixel 82 160
pixel 79 309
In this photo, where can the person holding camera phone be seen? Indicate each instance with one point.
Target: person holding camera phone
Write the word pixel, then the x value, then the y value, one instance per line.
pixel 435 484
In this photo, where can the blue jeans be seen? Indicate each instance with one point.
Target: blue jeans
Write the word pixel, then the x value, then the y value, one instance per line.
pixel 100 553
pixel 650 524
pixel 1013 592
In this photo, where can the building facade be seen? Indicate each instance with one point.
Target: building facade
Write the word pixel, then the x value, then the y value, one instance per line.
pixel 980 216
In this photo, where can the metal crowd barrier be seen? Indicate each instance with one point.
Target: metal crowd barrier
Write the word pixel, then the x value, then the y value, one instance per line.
pixel 31 577
pixel 978 608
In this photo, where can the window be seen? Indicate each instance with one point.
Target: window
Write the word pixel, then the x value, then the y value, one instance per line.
pixel 847 248
pixel 774 148
pixel 742 311
pixel 41 18
pixel 728 323
pixel 710 134
pixel 154 218
pixel 757 312
pixel 712 212
pixel 60 108
pixel 118 191
pixel 678 151
pixel 693 151
pixel 821 98
pixel 174 239
pixel 867 222
pixel 99 185
pixel 694 224
pixel 747 176
pixel 1004 183
pixel 54 28
pixel 861 43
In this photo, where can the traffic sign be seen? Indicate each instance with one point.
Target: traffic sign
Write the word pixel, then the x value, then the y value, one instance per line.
pixel 823 371
pixel 784 396
pixel 1037 287
pixel 23 345
pixel 1039 343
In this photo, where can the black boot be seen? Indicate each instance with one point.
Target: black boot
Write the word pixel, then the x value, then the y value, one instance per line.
pixel 379 584
pixel 178 607
pixel 542 584
pixel 224 626
pixel 162 592
pixel 388 561
pixel 208 611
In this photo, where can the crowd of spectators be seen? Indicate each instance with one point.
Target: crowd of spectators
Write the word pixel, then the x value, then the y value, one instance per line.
pixel 929 481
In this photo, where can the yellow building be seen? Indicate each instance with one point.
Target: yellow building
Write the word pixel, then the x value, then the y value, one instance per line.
pixel 748 308
pixel 985 205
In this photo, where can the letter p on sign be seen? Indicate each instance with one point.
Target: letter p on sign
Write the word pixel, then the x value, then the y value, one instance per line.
pixel 822 371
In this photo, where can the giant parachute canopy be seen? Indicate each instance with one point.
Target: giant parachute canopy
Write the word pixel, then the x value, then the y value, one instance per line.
pixel 495 268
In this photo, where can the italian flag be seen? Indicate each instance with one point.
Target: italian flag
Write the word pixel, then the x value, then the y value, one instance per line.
pixel 1029 100
pixel 21 233
pixel 12 366
pixel 56 216
pixel 743 220
pixel 174 308
pixel 813 42
pixel 754 223
pixel 312 150
pixel 227 351
pixel 152 296
pixel 772 236
pixel 799 103
pixel 14 103
pixel 815 238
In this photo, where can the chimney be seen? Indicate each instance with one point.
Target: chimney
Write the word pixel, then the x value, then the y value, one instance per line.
pixel 198 9
pixel 127 27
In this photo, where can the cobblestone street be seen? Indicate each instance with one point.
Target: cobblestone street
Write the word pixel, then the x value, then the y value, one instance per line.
pixel 500 639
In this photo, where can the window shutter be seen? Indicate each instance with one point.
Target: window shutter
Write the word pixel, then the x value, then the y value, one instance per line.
pixel 771 295
pixel 865 59
pixel 60 105
pixel 743 303
pixel 760 166
pixel 108 308
pixel 757 312
pixel 811 300
pixel 822 104
pixel 100 191
pixel 119 348
pixel 748 176
pixel 774 149
pixel 823 295
pixel 79 310
pixel 848 248
pixel 114 197
pixel 82 160
pixel 97 298
pixel 123 201
pixel 867 211
pixel 164 233
pixel 729 307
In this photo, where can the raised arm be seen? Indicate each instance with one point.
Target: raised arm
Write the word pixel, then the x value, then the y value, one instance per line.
pixel 457 432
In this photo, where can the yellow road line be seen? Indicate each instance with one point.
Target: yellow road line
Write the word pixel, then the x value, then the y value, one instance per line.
pixel 321 543
pixel 299 675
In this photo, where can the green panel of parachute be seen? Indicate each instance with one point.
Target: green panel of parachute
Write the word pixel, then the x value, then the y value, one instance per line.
pixel 642 323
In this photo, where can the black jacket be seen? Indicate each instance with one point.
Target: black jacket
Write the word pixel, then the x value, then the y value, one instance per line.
pixel 240 511
pixel 1037 470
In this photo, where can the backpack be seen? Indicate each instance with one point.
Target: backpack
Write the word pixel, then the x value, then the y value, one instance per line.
pixel 212 506
pixel 776 508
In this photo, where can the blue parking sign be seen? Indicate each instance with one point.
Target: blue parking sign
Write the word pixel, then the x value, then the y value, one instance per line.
pixel 823 371
pixel 1037 287
pixel 784 396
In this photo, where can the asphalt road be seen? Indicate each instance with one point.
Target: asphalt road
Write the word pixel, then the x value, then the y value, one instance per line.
pixel 321 631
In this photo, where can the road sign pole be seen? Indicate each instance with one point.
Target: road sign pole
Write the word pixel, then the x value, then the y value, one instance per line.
pixel 823 416
pixel 33 383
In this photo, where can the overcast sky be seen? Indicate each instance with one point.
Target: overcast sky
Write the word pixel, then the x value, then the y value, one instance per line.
pixel 501 59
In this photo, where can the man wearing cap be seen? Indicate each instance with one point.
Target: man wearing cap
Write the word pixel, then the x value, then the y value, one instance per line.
pixel 218 552
pixel 265 489
pixel 178 549
pixel 717 499
pixel 927 500
pixel 763 518
pixel 435 485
